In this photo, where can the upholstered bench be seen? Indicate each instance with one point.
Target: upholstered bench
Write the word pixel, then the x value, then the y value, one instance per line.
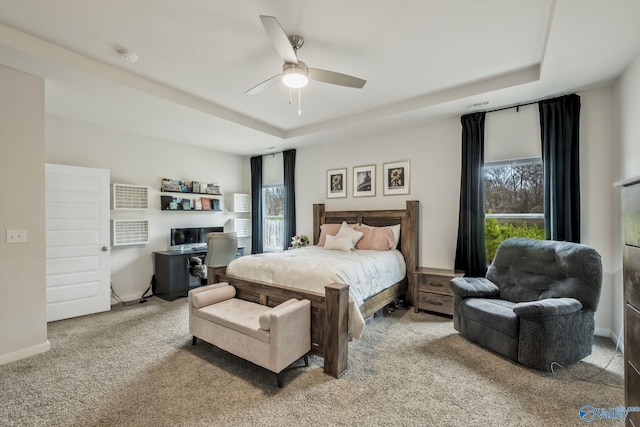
pixel 270 337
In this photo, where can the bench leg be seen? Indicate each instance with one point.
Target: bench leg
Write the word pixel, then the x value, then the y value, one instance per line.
pixel 193 340
pixel 306 360
pixel 279 378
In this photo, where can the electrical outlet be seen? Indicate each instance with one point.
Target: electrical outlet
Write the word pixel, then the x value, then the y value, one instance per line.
pixel 16 236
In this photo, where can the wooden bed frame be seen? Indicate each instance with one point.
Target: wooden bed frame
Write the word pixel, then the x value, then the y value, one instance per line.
pixel 329 311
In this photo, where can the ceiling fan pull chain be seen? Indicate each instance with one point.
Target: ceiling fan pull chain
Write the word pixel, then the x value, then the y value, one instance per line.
pixel 299 102
pixel 290 100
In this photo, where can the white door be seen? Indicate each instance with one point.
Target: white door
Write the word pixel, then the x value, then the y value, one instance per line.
pixel 77 241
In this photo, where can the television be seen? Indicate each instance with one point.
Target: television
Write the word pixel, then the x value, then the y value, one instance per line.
pixel 191 238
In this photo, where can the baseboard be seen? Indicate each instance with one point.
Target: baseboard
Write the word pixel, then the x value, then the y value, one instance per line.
pixel 24 353
pixel 618 340
pixel 602 332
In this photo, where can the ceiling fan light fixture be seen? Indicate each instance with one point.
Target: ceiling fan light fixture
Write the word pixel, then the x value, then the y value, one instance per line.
pixel 294 76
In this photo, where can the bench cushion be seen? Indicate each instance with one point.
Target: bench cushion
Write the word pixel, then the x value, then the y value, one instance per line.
pixel 213 296
pixel 238 315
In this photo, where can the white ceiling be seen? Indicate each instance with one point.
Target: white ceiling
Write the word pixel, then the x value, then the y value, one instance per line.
pixel 421 59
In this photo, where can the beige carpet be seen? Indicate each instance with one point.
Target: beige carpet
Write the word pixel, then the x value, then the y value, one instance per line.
pixel 135 366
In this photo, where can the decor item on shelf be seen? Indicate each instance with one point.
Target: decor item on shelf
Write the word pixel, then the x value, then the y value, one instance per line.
pixel 176 186
pixel 364 181
pixel 336 183
pixel 396 178
pixel 299 241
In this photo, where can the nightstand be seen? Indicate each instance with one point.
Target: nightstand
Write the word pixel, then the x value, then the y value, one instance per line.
pixel 431 289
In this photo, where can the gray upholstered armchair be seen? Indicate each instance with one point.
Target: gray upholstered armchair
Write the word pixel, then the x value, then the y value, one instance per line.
pixel 536 304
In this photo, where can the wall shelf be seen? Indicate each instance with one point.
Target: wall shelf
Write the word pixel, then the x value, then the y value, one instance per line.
pixel 190 202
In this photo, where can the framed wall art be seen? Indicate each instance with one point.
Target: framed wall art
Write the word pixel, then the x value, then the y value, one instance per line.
pixel 396 178
pixel 336 183
pixel 364 181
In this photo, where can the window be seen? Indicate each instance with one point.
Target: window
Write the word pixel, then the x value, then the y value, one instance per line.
pixel 273 215
pixel 514 201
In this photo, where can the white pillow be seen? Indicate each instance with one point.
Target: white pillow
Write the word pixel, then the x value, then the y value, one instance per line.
pixel 339 243
pixel 347 231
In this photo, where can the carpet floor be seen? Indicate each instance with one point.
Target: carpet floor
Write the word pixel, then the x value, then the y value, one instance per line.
pixel 135 366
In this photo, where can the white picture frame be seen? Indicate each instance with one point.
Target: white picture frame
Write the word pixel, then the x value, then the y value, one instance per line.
pixel 364 181
pixel 336 183
pixel 396 178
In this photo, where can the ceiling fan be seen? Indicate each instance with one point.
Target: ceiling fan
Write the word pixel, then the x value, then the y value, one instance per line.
pixel 295 73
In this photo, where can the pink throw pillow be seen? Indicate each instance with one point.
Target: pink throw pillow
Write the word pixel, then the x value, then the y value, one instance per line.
pixel 376 238
pixel 331 230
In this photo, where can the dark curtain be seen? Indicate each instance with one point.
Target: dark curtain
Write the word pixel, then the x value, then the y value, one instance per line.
pixel 289 157
pixel 257 244
pixel 559 128
pixel 471 252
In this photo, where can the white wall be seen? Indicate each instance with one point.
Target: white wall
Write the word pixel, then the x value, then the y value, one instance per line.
pixel 434 149
pixel 23 325
pixel 599 212
pixel 140 160
pixel 435 155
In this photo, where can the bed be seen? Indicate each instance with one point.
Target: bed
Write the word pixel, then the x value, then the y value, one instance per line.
pixel 330 306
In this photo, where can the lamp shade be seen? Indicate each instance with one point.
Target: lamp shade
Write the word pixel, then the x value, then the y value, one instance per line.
pixel 295 75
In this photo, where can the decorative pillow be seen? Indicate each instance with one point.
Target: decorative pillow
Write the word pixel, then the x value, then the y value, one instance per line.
pixel 213 296
pixel 347 231
pixel 340 243
pixel 330 230
pixel 377 239
pixel 265 318
pixel 394 228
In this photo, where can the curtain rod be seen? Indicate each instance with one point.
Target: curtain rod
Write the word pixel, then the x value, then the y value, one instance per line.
pixel 517 107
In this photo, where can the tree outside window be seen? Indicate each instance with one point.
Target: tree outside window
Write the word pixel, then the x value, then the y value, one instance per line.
pixel 514 201
pixel 273 202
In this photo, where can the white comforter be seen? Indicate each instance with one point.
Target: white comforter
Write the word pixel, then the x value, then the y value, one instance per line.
pixel 311 268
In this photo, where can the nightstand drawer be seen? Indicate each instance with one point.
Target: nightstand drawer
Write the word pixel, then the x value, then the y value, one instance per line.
pixel 435 302
pixel 437 284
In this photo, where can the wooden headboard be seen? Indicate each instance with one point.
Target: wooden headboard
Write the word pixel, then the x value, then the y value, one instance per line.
pixel 408 219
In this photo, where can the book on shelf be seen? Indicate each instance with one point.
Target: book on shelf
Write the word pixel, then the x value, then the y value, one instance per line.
pixel 206 204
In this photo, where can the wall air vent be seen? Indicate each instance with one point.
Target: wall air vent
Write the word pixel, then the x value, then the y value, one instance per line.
pixel 126 196
pixel 242 227
pixel 129 232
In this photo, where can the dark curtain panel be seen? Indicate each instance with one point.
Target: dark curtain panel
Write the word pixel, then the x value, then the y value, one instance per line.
pixel 559 128
pixel 289 158
pixel 257 244
pixel 471 252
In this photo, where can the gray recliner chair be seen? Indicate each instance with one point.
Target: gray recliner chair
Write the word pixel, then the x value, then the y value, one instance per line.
pixel 536 304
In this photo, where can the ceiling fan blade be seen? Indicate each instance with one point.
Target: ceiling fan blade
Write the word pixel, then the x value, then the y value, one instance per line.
pixel 335 78
pixel 279 39
pixel 265 84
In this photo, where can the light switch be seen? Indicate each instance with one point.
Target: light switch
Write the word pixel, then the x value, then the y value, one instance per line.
pixel 16 236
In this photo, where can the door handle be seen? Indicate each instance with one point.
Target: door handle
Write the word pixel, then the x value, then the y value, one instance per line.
pixel 105 249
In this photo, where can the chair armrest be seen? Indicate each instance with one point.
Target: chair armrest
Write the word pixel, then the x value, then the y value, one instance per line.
pixel 547 307
pixel 474 287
